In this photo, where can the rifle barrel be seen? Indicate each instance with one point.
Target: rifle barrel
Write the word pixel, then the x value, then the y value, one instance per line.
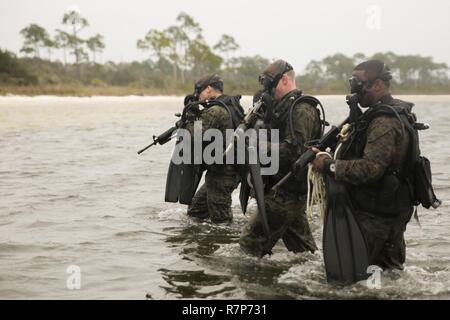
pixel 147 147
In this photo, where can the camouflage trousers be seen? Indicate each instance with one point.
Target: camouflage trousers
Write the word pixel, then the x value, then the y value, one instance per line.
pixel 287 221
pixel 213 199
pixel 385 238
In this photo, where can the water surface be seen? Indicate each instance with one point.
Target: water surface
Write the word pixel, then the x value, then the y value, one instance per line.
pixel 74 192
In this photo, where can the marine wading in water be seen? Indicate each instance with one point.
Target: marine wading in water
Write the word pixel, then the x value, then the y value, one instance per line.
pixel 297 119
pixel 373 169
pixel 216 111
pixel 374 179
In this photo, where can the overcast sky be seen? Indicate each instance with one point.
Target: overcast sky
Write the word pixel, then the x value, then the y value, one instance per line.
pixel 297 31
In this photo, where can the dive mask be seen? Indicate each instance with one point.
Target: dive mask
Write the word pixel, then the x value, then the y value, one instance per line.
pixel 357 85
pixel 214 81
pixel 270 82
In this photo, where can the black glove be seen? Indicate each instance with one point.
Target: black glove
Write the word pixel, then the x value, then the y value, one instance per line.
pixel 268 108
pixel 191 113
pixel 189 99
pixel 257 96
pixel 267 100
pixel 180 124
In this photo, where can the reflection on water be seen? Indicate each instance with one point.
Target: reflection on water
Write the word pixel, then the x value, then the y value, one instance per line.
pixel 74 192
pixel 194 284
pixel 225 271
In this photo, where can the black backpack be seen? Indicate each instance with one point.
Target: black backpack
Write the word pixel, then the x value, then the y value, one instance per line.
pixel 423 187
pixel 418 173
pixel 233 106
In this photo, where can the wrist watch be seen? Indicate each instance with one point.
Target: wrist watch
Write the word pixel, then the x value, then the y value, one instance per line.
pixel 332 167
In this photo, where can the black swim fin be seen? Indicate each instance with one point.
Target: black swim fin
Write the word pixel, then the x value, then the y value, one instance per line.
pixel 344 247
pixel 173 183
pixel 182 181
pixel 244 193
pixel 258 188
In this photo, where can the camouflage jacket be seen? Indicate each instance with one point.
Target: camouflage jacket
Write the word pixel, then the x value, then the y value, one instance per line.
pixel 385 147
pixel 214 117
pixel 376 166
pixel 305 127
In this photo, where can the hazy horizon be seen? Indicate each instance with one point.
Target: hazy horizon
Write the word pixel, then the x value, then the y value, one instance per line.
pixel 297 32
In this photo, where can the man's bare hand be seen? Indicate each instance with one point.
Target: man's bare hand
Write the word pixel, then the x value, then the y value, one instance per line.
pixel 319 162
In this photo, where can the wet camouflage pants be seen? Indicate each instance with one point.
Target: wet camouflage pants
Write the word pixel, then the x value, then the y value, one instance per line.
pixel 213 199
pixel 385 238
pixel 287 221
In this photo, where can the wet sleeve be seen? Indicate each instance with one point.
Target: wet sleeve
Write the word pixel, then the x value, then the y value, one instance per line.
pixel 382 137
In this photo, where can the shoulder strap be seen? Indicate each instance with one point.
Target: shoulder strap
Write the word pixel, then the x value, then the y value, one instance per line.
pixel 314 102
pixel 407 120
pixel 232 105
pixel 238 112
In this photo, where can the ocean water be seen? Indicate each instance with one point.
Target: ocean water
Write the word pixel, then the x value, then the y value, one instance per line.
pixel 73 192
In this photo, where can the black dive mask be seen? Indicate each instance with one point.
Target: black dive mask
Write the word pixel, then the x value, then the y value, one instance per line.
pixel 269 83
pixel 198 88
pixel 213 81
pixel 357 85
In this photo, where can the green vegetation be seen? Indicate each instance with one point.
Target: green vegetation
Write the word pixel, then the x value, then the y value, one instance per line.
pixel 412 73
pixel 177 57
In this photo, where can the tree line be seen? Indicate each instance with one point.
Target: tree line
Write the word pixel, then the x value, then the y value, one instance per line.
pixel 178 55
pixel 411 73
pixel 37 38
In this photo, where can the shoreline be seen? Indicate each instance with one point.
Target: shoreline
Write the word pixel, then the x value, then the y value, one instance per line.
pixel 116 91
pixel 246 99
pixel 176 97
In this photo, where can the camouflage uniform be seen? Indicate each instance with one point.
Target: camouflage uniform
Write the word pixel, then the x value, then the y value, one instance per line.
pixel 285 209
pixel 213 198
pixel 384 149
